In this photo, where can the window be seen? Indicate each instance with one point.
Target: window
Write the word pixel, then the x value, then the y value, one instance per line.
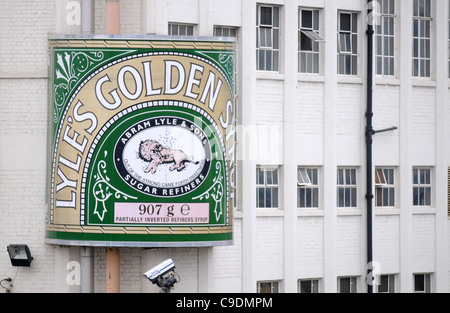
pixel 308 286
pixel 422 187
pixel 347 43
pixel 267 38
pixel 346 188
pixel 267 287
pixel 384 187
pixel 307 188
pixel 385 38
pixel 266 187
pixel 181 29
pixel 422 283
pixel 225 31
pixel 422 38
pixel 387 284
pixel 308 41
pixel 347 285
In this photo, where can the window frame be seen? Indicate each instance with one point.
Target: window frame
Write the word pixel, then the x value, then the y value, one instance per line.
pixel 266 186
pixel 385 35
pixel 348 186
pixel 314 285
pixel 222 29
pixel 423 188
pixel 390 280
pixel 309 59
pixel 352 284
pixel 385 186
pixel 350 54
pixel 427 282
pixel 423 36
pixel 272 32
pixel 308 180
pixel 178 25
pixel 274 286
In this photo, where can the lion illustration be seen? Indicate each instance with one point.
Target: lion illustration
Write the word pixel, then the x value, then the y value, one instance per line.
pixel 156 154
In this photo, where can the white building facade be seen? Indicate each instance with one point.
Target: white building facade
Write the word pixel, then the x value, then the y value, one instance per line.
pixel 300 216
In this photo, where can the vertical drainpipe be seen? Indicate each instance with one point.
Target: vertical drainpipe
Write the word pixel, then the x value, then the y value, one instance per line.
pixel 369 140
pixel 87 269
pixel 112 17
pixel 87 17
pixel 112 272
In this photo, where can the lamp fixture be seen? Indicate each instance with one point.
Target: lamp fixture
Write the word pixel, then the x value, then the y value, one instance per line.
pixel 20 255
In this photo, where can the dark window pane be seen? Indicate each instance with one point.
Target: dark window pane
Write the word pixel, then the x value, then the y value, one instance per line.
pixel 261 60
pixel 305 43
pixel 265 288
pixel 341 197
pixel 354 65
pixel 419 282
pixel 305 286
pixel 276 16
pixel 354 23
pixel 415 176
pixel 391 197
pixel 348 64
pixel 266 16
pixel 268 198
pixel 340 177
pixel 302 198
pixel 415 28
pixel 354 196
pixel 347 197
pixel 260 197
pixel 316 20
pixel 315 203
pixel 307 19
pixel 415 196
pixel 344 284
pixel 275 198
pixel 182 31
pixel 308 197
pixel 345 19
pixel 379 197
pixel 275 39
pixel 275 61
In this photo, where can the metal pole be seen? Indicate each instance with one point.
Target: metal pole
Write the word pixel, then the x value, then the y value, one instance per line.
pixel 87 253
pixel 87 17
pixel 87 269
pixel 112 254
pixel 369 140
pixel 112 17
pixel 112 270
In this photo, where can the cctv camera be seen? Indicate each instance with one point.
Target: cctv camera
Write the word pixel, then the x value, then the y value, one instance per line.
pixel 163 275
pixel 160 270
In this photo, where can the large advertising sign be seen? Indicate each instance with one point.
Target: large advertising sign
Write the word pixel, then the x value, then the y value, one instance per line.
pixel 141 142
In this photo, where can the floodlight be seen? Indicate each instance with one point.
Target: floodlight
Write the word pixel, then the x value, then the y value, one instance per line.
pixel 20 255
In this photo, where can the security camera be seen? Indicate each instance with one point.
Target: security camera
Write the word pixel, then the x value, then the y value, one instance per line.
pixel 163 275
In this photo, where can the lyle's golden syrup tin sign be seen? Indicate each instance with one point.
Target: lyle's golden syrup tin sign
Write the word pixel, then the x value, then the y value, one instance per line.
pixel 141 142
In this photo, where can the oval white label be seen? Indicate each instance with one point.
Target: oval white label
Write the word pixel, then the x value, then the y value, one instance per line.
pixel 163 156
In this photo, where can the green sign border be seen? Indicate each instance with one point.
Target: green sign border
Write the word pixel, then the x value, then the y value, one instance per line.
pixel 70 67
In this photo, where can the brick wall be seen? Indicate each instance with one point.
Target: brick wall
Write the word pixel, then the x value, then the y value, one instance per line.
pixel 310 254
pixel 23 125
